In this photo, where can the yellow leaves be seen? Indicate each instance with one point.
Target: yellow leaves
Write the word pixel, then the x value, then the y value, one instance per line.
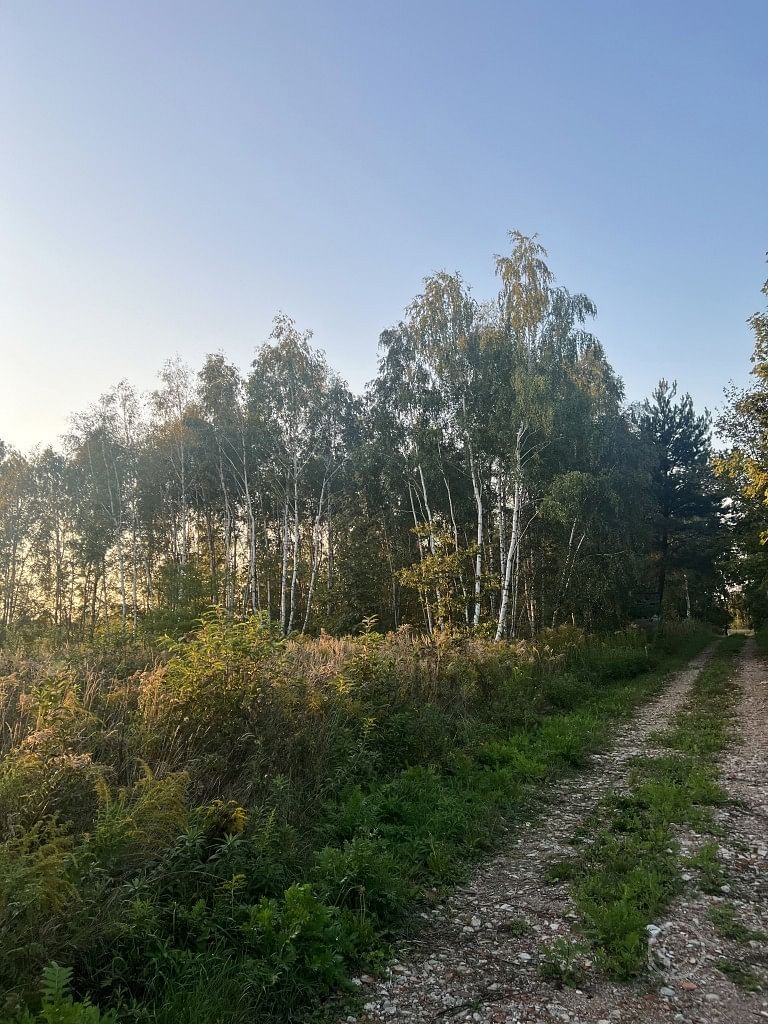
pixel 103 794
pixel 341 683
pixel 139 820
pixel 225 818
pixel 749 475
pixel 239 819
pixel 234 884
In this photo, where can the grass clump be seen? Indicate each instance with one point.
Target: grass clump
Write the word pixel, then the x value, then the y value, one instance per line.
pixel 629 874
pixel 729 926
pixel 742 975
pixel 516 927
pixel 224 829
pixel 710 872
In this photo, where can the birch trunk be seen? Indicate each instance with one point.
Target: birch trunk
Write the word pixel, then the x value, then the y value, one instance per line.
pixel 284 568
pixel 422 595
pixel 479 538
pixel 455 530
pixel 511 572
pixel 295 568
pixel 315 557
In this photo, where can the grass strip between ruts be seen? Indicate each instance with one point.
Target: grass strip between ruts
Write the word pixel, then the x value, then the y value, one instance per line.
pixel 628 868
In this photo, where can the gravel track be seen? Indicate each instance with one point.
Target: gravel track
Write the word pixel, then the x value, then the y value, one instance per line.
pixel 478 956
pixel 743 855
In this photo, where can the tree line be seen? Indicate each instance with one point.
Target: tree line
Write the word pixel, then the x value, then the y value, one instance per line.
pixel 491 476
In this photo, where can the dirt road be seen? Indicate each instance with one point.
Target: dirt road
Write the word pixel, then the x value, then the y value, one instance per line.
pixel 482 956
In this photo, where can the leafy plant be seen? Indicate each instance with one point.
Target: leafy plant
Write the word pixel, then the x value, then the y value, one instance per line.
pixel 563 962
pixel 58 1005
pixel 266 812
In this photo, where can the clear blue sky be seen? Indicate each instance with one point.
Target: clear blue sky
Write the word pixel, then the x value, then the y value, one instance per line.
pixel 173 173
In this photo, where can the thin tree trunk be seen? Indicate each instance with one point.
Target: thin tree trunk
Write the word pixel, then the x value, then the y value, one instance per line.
pixel 511 572
pixel 315 557
pixel 253 580
pixel 422 594
pixel 455 538
pixel 295 569
pixel 284 569
pixel 479 537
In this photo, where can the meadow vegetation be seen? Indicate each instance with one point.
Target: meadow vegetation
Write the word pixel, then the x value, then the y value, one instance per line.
pixel 226 826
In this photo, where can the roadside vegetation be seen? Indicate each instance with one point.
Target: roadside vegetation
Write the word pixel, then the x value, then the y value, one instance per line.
pixel 228 827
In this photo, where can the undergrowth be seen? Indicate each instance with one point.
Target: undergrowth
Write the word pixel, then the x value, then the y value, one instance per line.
pixel 224 829
pixel 628 872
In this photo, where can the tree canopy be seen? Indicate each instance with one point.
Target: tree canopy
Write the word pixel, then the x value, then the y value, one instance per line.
pixel 490 477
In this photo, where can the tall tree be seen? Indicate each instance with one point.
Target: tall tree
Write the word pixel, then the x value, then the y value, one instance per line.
pixel 685 502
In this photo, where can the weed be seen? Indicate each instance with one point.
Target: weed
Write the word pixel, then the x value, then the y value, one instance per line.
pixel 728 925
pixel 516 926
pixel 58 1006
pixel 706 863
pixel 564 962
pixel 243 820
pixel 741 974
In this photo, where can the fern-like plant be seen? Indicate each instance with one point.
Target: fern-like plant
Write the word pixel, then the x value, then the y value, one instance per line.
pixel 58 1006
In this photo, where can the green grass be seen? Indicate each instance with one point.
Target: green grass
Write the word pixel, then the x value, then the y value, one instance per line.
pixel 710 873
pixel 729 926
pixel 627 876
pixel 740 974
pixel 761 639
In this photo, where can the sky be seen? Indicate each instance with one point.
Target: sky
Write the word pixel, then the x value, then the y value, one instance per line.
pixel 174 172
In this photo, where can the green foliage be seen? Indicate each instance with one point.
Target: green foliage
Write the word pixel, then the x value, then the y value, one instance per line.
pixel 729 926
pixel 740 974
pixel 58 1006
pixel 743 467
pixel 264 813
pixel 181 589
pixel 132 825
pixel 492 457
pixel 705 862
pixel 761 639
pixel 689 543
pixel 563 962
